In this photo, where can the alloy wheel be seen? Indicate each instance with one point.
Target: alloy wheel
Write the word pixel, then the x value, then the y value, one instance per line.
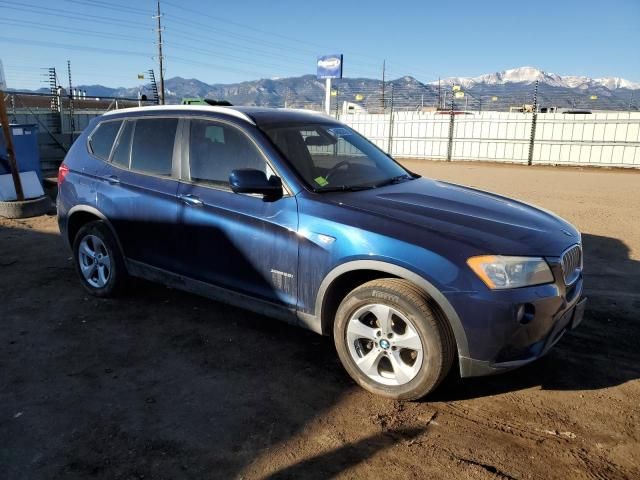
pixel 95 263
pixel 384 344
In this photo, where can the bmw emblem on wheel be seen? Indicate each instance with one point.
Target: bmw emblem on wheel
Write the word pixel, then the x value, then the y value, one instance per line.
pixel 384 343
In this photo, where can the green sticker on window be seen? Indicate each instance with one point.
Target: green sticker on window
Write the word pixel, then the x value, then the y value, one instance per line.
pixel 321 181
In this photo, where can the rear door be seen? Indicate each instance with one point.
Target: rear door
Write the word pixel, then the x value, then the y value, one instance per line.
pixel 240 242
pixel 141 186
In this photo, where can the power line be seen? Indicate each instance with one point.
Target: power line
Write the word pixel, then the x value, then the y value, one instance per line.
pixel 38 10
pixel 113 21
pixel 276 47
pixel 276 34
pixel 13 40
pixel 110 6
pixel 75 31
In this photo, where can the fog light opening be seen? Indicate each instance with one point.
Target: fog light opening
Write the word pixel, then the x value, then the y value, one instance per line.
pixel 525 313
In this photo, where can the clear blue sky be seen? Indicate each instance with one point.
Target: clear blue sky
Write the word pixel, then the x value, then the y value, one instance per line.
pixel 110 41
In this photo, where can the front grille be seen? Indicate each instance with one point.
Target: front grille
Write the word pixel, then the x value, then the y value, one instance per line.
pixel 572 264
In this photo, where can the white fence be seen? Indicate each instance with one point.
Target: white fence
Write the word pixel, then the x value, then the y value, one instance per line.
pixel 601 139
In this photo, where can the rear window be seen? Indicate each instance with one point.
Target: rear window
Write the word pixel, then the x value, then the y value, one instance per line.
pixel 102 138
pixel 152 147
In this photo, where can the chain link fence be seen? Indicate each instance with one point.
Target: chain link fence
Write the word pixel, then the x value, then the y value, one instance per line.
pixel 407 119
pixel 538 127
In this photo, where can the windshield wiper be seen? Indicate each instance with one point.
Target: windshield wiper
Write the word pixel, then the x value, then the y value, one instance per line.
pixel 344 188
pixel 394 180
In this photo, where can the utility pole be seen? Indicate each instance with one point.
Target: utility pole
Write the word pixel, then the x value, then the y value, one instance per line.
pixel 160 57
pixel 383 69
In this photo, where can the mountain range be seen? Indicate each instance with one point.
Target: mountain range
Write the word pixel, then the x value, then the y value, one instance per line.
pixel 528 75
pixel 508 87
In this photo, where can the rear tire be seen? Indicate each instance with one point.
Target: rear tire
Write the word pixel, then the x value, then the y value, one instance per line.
pixel 392 340
pixel 98 260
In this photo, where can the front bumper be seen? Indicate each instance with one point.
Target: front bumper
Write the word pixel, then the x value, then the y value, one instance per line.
pixel 500 338
pixel 569 320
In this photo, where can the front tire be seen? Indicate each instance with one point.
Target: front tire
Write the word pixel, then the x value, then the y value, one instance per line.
pixel 98 260
pixel 392 341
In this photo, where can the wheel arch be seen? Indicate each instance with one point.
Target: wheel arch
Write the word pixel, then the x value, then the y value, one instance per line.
pixel 356 272
pixel 79 216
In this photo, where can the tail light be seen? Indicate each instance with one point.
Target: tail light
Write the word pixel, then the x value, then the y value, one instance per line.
pixel 62 172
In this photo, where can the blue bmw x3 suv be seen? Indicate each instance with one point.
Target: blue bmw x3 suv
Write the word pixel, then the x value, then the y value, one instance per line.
pixel 297 216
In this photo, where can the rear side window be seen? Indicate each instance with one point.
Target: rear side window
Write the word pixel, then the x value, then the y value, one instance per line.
pixel 122 150
pixel 152 147
pixel 102 138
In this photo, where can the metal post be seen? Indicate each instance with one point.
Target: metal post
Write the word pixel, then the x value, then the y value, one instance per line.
pixel 383 72
pixel 327 96
pixel 72 123
pixel 534 121
pixel 12 101
pixel 11 155
pixel 60 112
pixel 390 149
pixel 160 57
pixel 451 115
pixel 337 103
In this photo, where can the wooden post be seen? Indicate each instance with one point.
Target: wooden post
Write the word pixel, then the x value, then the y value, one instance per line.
pixel 11 155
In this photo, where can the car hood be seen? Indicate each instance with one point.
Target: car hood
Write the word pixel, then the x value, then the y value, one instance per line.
pixel 491 223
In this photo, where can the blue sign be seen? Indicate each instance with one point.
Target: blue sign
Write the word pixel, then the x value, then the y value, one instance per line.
pixel 330 66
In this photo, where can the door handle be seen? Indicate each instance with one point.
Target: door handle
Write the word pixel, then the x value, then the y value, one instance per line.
pixel 113 180
pixel 191 200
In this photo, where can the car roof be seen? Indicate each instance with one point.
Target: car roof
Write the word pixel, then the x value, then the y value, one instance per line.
pixel 277 116
pixel 260 116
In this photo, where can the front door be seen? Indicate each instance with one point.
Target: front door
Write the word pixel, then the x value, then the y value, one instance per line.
pixel 236 241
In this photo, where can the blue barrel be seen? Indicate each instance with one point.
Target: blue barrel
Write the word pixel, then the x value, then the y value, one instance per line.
pixel 25 143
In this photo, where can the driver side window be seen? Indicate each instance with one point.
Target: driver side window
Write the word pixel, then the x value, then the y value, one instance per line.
pixel 216 149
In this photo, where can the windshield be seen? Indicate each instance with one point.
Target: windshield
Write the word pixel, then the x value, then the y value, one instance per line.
pixel 335 157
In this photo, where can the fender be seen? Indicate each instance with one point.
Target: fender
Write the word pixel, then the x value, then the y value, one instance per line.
pixel 93 211
pixel 395 270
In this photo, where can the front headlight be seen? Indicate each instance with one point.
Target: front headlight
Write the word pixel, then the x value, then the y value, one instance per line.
pixel 499 272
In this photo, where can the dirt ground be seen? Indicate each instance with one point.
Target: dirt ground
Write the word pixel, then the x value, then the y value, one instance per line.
pixel 162 384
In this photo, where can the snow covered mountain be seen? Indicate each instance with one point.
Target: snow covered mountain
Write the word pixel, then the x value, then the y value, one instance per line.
pixel 529 75
pixel 510 87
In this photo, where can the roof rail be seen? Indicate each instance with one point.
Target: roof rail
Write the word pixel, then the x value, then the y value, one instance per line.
pixel 198 108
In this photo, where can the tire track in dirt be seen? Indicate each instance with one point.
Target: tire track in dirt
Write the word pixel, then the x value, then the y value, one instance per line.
pixel 463 424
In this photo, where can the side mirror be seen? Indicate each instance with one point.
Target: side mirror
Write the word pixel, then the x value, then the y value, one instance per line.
pixel 249 180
